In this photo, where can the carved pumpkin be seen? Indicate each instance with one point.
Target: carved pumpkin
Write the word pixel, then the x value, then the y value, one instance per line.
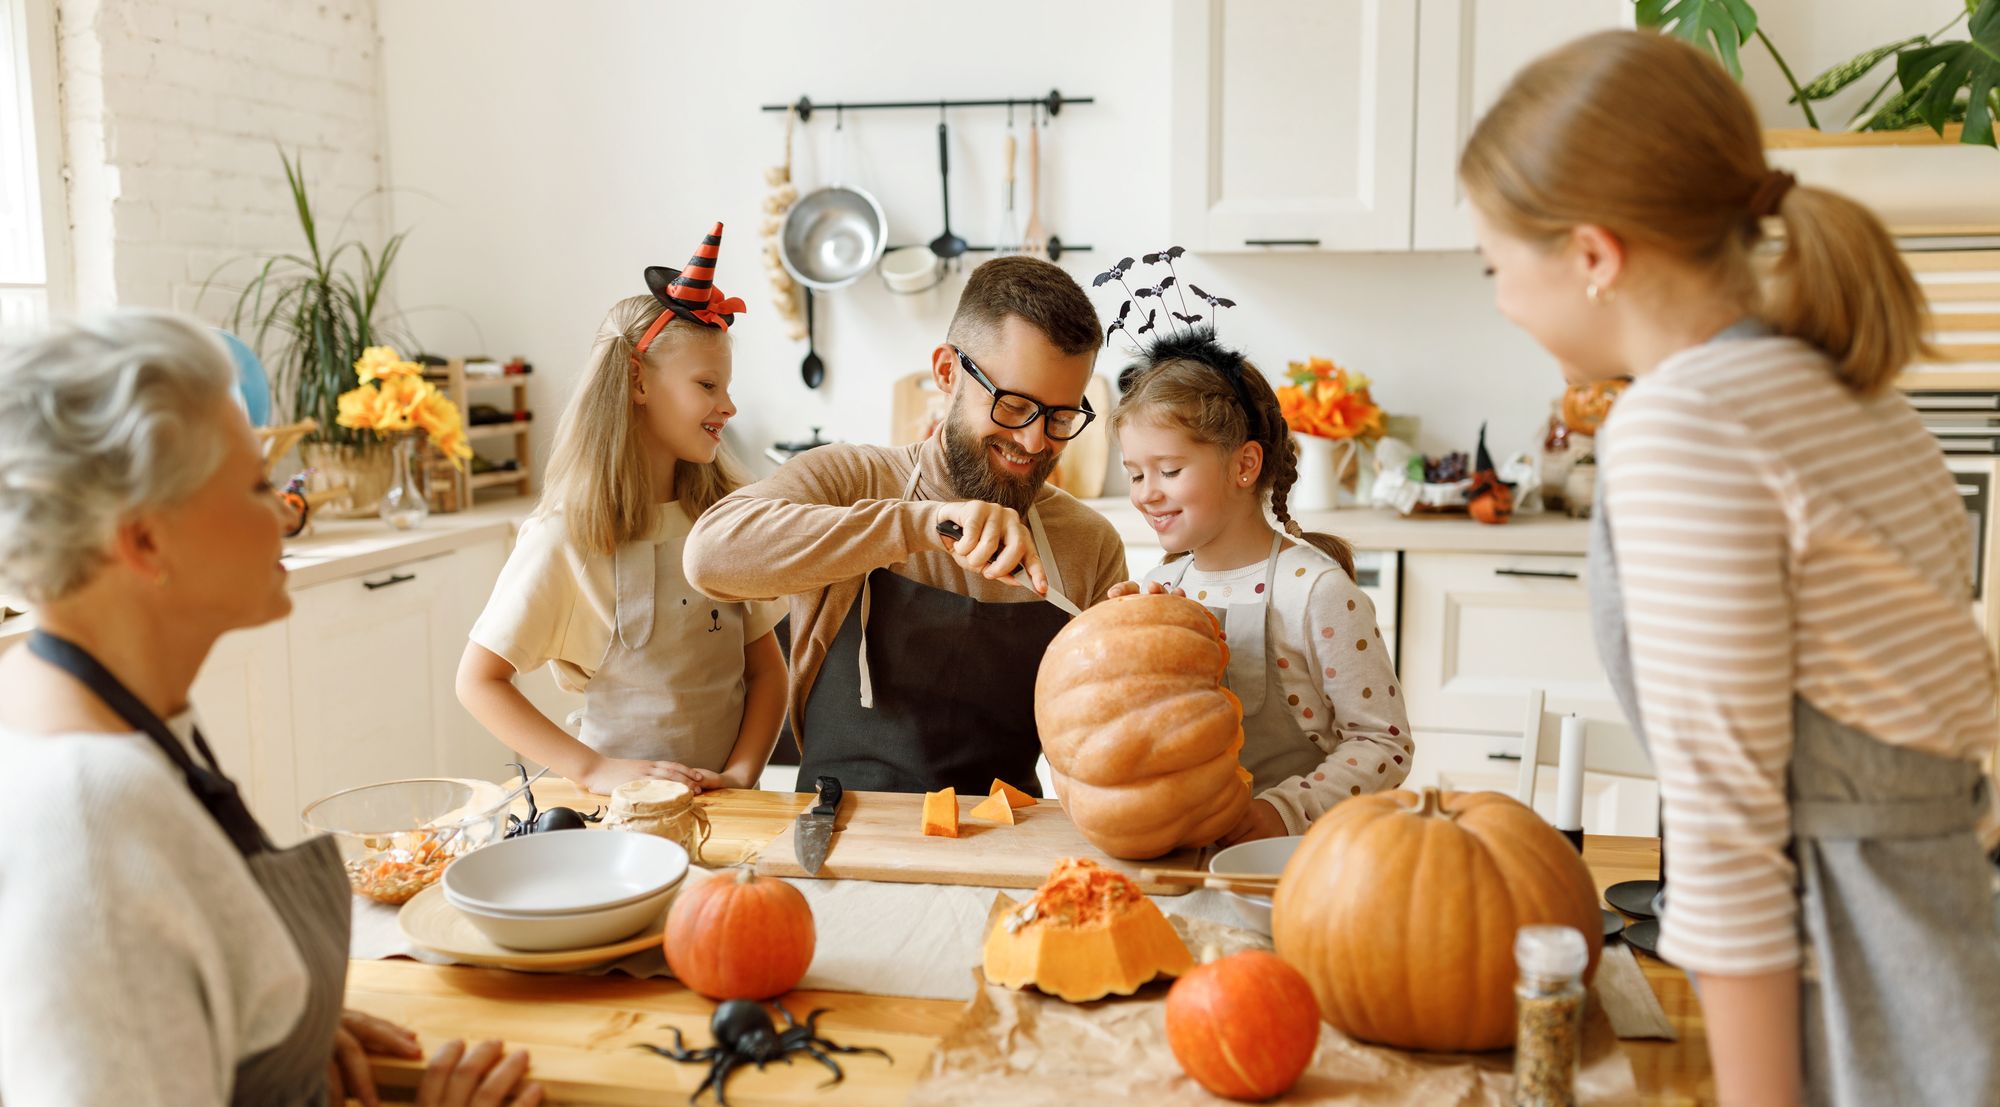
pixel 1244 1027
pixel 1401 911
pixel 1086 933
pixel 1141 737
pixel 1586 406
pixel 737 936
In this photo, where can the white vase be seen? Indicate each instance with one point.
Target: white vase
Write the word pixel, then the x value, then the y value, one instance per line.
pixel 1320 461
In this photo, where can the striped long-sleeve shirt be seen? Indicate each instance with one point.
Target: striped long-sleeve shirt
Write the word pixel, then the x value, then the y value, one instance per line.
pixel 1778 536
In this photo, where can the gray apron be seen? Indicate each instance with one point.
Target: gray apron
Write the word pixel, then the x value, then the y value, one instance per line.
pixel 1900 985
pixel 304 884
pixel 1275 747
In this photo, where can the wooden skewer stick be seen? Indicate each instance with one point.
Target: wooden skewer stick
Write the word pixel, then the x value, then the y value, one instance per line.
pixel 1256 883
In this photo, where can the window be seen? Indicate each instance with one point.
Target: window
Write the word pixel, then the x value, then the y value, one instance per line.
pixel 32 269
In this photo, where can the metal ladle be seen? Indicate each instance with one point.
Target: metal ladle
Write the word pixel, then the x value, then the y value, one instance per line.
pixel 812 370
pixel 946 245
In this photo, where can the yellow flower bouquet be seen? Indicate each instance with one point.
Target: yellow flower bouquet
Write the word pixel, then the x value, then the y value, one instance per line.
pixel 394 397
pixel 1328 401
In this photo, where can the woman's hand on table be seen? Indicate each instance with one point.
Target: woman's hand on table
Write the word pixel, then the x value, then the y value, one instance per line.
pixel 1260 821
pixel 455 1077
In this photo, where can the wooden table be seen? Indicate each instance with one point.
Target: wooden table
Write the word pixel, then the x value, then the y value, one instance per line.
pixel 581 1029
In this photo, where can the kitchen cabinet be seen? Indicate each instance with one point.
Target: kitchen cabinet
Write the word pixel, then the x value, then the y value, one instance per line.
pixel 1467 51
pixel 243 700
pixel 1470 762
pixel 1293 122
pixel 1336 125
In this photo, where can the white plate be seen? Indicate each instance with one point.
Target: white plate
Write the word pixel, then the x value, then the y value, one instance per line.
pixel 1265 855
pixel 430 921
pixel 564 872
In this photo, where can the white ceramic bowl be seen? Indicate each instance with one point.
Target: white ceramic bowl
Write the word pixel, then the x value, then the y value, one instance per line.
pixel 564 872
pixel 911 269
pixel 1265 855
pixel 579 930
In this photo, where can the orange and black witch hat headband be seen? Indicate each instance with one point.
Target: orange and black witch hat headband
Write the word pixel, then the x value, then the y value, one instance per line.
pixel 690 293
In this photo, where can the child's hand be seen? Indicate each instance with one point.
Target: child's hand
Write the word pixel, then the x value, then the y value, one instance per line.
pixel 996 542
pixel 1133 588
pixel 1261 821
pixel 609 772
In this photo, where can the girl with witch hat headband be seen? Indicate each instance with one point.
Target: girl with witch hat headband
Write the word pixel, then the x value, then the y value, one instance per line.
pixel 676 686
pixel 1205 446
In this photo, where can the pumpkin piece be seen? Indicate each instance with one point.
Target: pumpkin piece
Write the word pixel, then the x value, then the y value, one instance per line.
pixel 1086 933
pixel 995 808
pixel 1400 910
pixel 1245 1026
pixel 740 937
pixel 941 813
pixel 1142 739
pixel 1015 797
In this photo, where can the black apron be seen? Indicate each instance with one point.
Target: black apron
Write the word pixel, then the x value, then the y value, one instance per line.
pixel 305 885
pixel 924 689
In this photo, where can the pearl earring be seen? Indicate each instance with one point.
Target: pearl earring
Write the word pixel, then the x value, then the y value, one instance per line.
pixel 1598 295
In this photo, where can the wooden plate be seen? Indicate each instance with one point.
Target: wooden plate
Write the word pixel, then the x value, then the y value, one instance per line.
pixel 433 923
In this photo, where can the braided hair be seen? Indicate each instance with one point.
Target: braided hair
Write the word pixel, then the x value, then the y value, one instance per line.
pixel 1191 381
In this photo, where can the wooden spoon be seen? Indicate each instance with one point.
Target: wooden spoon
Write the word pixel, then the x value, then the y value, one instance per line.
pixel 1034 237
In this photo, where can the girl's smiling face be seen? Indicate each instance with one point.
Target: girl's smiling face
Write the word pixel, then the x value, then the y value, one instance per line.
pixel 1188 491
pixel 683 396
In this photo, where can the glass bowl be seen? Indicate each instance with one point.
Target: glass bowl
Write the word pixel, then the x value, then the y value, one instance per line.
pixel 396 838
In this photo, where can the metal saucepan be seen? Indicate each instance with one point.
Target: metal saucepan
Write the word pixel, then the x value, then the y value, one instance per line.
pixel 831 236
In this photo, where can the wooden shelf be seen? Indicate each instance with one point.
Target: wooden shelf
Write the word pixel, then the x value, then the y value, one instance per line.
pixel 499 477
pixel 497 430
pixel 1805 138
pixel 452 379
pixel 514 380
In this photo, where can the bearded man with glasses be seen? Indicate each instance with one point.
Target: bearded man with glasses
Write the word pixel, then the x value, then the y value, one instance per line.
pixel 914 652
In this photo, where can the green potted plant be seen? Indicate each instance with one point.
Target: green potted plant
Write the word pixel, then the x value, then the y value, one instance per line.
pixel 1950 86
pixel 311 316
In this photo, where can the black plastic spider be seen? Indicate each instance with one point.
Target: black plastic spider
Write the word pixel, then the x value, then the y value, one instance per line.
pixel 555 818
pixel 745 1034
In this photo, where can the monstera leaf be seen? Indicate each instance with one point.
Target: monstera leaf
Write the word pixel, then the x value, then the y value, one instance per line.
pixel 1951 67
pixel 1717 26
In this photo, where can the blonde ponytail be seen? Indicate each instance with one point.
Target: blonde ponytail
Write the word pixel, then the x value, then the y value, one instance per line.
pixel 1841 286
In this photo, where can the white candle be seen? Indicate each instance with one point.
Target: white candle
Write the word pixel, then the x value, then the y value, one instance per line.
pixel 1569 776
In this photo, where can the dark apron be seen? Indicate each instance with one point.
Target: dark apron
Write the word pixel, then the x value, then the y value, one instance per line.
pixel 1900 983
pixel 305 885
pixel 953 683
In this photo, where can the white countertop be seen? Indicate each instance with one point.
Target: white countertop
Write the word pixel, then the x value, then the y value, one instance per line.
pixel 336 548
pixel 1382 529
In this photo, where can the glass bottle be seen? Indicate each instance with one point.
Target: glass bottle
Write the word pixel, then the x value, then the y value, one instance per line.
pixel 404 505
pixel 1548 1001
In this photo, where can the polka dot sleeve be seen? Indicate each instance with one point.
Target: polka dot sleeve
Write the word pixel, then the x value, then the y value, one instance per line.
pixel 1359 718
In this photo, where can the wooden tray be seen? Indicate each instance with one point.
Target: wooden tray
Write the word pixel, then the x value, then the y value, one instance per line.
pixel 878 836
pixel 433 923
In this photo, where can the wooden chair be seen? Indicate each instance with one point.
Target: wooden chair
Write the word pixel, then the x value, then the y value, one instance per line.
pixel 1609 747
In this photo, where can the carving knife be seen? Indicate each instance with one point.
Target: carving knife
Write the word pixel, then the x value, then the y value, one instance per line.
pixel 815 828
pixel 1019 576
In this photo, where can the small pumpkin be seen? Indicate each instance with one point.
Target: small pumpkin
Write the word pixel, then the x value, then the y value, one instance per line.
pixel 1586 406
pixel 1086 933
pixel 1142 739
pixel 1243 1026
pixel 1400 910
pixel 740 936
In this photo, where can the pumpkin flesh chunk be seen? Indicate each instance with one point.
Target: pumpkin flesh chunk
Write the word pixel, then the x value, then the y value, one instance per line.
pixel 1015 797
pixel 995 808
pixel 941 813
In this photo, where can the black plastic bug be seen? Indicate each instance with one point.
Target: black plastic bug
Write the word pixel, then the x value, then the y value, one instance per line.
pixel 555 818
pixel 745 1035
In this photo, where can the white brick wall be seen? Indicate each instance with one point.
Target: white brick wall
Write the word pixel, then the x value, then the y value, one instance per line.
pixel 173 113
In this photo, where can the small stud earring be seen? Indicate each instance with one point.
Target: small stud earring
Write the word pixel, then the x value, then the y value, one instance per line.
pixel 1598 295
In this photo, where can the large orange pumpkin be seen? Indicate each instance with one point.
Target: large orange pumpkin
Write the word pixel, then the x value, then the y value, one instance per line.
pixel 1141 737
pixel 1245 1026
pixel 1401 911
pixel 737 936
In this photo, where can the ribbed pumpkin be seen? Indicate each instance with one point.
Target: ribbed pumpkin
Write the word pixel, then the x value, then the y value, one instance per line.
pixel 1142 738
pixel 738 936
pixel 1243 1026
pixel 1401 911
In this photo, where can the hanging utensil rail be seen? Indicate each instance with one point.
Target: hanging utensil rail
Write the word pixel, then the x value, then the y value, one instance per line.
pixel 1052 103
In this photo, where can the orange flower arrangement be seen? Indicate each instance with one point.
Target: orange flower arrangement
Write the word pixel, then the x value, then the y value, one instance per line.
pixel 1326 400
pixel 395 397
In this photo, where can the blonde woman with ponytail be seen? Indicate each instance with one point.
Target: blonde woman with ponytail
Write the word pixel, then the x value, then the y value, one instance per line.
pixel 1781 572
pixel 1205 447
pixel 676 686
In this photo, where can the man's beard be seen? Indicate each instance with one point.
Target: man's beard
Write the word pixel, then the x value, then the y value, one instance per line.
pixel 973 476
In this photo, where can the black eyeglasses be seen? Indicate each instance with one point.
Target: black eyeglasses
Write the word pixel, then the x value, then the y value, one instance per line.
pixel 1014 411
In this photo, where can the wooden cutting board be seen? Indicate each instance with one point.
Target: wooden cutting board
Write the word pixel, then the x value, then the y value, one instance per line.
pixel 878 836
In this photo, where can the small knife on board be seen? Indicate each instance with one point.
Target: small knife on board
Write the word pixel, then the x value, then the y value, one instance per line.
pixel 814 835
pixel 1019 576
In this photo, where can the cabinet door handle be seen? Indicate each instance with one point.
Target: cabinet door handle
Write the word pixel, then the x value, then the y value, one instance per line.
pixel 1542 574
pixel 394 578
pixel 1281 242
pixel 1503 757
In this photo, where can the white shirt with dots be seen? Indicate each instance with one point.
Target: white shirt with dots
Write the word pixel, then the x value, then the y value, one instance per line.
pixel 1333 670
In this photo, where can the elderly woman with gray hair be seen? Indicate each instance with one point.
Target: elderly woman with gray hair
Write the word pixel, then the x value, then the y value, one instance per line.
pixel 157 948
